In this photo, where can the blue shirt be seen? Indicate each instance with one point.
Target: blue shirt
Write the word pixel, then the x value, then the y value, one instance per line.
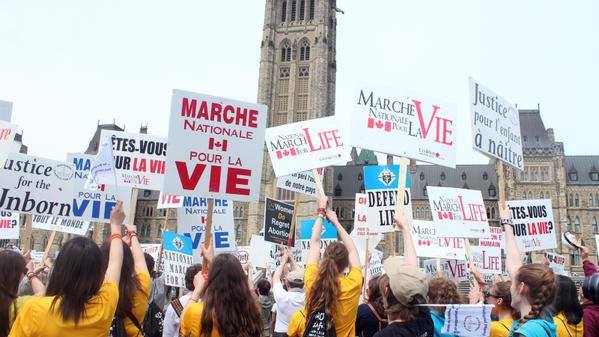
pixel 439 321
pixel 536 328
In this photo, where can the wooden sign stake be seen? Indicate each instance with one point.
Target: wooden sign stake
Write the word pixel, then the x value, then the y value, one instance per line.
pixel 296 204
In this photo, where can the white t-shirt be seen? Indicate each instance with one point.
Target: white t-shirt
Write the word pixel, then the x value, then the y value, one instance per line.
pixel 171 323
pixel 287 303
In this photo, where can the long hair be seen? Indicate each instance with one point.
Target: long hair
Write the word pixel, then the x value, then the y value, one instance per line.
pixel 325 289
pixel 77 276
pixel 128 283
pixel 228 302
pixel 502 290
pixel 566 300
pixel 442 290
pixel 394 309
pixel 375 298
pixel 541 283
pixel 12 270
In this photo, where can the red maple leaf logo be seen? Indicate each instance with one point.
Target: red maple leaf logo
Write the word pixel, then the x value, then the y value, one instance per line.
pixel 379 124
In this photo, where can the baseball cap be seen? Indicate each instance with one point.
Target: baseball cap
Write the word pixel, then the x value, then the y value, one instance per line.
pixel 405 281
pixel 296 276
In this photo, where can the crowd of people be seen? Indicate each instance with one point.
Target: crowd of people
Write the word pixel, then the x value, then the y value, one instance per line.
pixel 113 290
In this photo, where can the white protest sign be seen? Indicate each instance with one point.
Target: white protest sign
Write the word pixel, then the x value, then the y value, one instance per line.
pixel 495 126
pixel 487 259
pixel 36 185
pixel 496 239
pixel 219 149
pixel 50 223
pixel 557 263
pixel 394 122
pixel 94 205
pixel 191 221
pixel 177 257
pixel 453 269
pixel 243 254
pixel 428 244
pixel 263 252
pixel 328 235
pixel 468 320
pixel 533 224
pixel 306 145
pixel 381 184
pixel 361 223
pixel 139 159
pixel 301 182
pixel 169 201
pixel 360 243
pixel 375 266
pixel 5 111
pixel 37 257
pixel 7 136
pixel 9 225
pixel 154 250
pixel 458 212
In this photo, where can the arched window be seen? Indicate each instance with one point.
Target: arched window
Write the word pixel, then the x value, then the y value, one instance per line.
pixel 575 258
pixel 492 191
pixel 485 176
pixel 541 195
pixel 597 199
pixel 301 9
pixel 284 11
pixel 594 225
pixel 569 225
pixel 591 200
pixel 576 200
pixel 529 195
pixel 524 195
pixel 285 51
pixel 464 176
pixel 242 211
pixel 577 225
pixel 571 200
pixel 492 212
pixel 488 213
pixel 311 15
pixel 360 176
pixel 293 9
pixel 422 178
pixel 304 50
pixel 424 192
pixel 443 176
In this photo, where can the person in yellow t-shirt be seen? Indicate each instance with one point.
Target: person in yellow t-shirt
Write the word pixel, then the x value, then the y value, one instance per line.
pixel 134 291
pixel 499 295
pixel 568 317
pixel 82 296
pixel 227 307
pixel 327 287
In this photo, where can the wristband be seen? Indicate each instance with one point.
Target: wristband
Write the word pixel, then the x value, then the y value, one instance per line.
pixel 321 211
pixel 205 275
pixel 115 236
pixel 130 233
pixel 322 217
pixel 31 276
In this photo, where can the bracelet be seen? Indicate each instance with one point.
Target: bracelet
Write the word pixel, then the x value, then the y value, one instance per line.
pixel 193 299
pixel 115 236
pixel 31 276
pixel 130 233
pixel 205 274
pixel 322 217
pixel 321 211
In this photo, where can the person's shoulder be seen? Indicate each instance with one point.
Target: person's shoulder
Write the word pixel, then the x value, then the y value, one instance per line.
pixel 388 331
pixel 144 279
pixel 109 287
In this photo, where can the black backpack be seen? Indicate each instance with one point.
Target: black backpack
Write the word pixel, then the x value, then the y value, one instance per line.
pixel 319 325
pixel 153 321
pixel 117 328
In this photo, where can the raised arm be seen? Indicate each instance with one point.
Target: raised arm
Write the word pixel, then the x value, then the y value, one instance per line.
pixel 513 261
pixel 406 229
pixel 36 285
pixel 314 251
pixel 280 269
pixel 354 257
pixel 292 261
pixel 139 259
pixel 115 261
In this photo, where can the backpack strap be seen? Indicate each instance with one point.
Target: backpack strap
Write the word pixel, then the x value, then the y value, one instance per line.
pixel 376 314
pixel 177 306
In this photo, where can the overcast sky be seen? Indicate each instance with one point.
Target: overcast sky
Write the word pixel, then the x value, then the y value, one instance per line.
pixel 68 64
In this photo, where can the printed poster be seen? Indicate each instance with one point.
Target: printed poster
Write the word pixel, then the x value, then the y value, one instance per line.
pixel 534 228
pixel 428 244
pixel 9 225
pixel 177 257
pixel 458 212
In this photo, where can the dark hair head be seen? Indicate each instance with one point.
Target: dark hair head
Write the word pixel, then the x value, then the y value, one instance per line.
pixel 150 263
pixel 77 276
pixel 374 294
pixel 128 283
pixel 442 290
pixel 501 290
pixel 541 284
pixel 228 302
pixel 12 270
pixel 393 308
pixel 566 300
pixel 263 287
pixel 590 288
pixel 190 274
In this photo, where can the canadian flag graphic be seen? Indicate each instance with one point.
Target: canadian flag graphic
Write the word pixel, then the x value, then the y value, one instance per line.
pixel 213 144
pixel 373 123
pixel 445 215
pixel 288 152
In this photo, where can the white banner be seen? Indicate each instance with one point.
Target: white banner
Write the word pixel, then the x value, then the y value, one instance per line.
pixel 557 263
pixel 361 224
pixel 169 201
pixel 302 182
pixel 533 224
pixel 9 225
pixel 458 212
pixel 50 223
pixel 306 145
pixel 496 240
pixel 468 320
pixel 487 259
pixel 394 122
pixel 453 269
pixel 495 126
pixel 428 244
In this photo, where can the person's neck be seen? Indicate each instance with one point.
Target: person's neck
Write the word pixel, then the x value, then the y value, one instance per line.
pixel 505 314
pixel 524 309
pixel 395 319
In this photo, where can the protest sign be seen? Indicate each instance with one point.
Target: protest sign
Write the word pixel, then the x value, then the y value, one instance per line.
pixel 262 252
pixel 219 148
pixel 453 269
pixel 496 239
pixel 277 221
pixel 495 126
pixel 487 259
pixel 395 122
pixel 360 243
pixel 5 111
pixel 428 244
pixel 36 185
pixel 458 212
pixel 533 224
pixel 381 184
pixel 468 320
pixel 306 145
pixel 37 257
pixel 101 171
pixel 177 257
pixel 7 136
pixel 557 263
pixel 169 201
pixel 9 225
pixel 243 254
pixel 375 267
pixel 51 223
pixel 139 159
pixel 95 205
pixel 301 182
pixel 191 221
pixel 361 224
pixel 154 250
pixel 328 235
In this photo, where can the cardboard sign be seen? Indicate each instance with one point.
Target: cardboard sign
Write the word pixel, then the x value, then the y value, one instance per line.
pixel 533 224
pixel 219 148
pixel 394 122
pixel 495 126
pixel 277 221
pixel 375 265
pixel 7 136
pixel 139 159
pixel 381 190
pixel 169 201
pixel 9 225
pixel 428 244
pixel 302 182
pixel 361 224
pixel 5 111
pixel 487 259
pixel 306 145
pixel 177 257
pixel 262 252
pixel 154 250
pixel 191 221
pixel 243 254
pixel 37 257
pixel 468 320
pixel 458 212
pixel 453 269
pixel 557 263
pixel 328 235
pixel 95 205
pixel 50 223
pixel 496 239
pixel 36 185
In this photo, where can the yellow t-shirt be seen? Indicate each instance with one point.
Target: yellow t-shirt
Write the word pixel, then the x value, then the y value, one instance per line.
pixel 36 319
pixel 191 321
pixel 18 305
pixel 501 328
pixel 139 304
pixel 344 319
pixel 564 329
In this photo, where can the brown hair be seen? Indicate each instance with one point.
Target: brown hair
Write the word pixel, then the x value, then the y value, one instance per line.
pixel 502 290
pixel 442 290
pixel 393 308
pixel 541 283
pixel 325 289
